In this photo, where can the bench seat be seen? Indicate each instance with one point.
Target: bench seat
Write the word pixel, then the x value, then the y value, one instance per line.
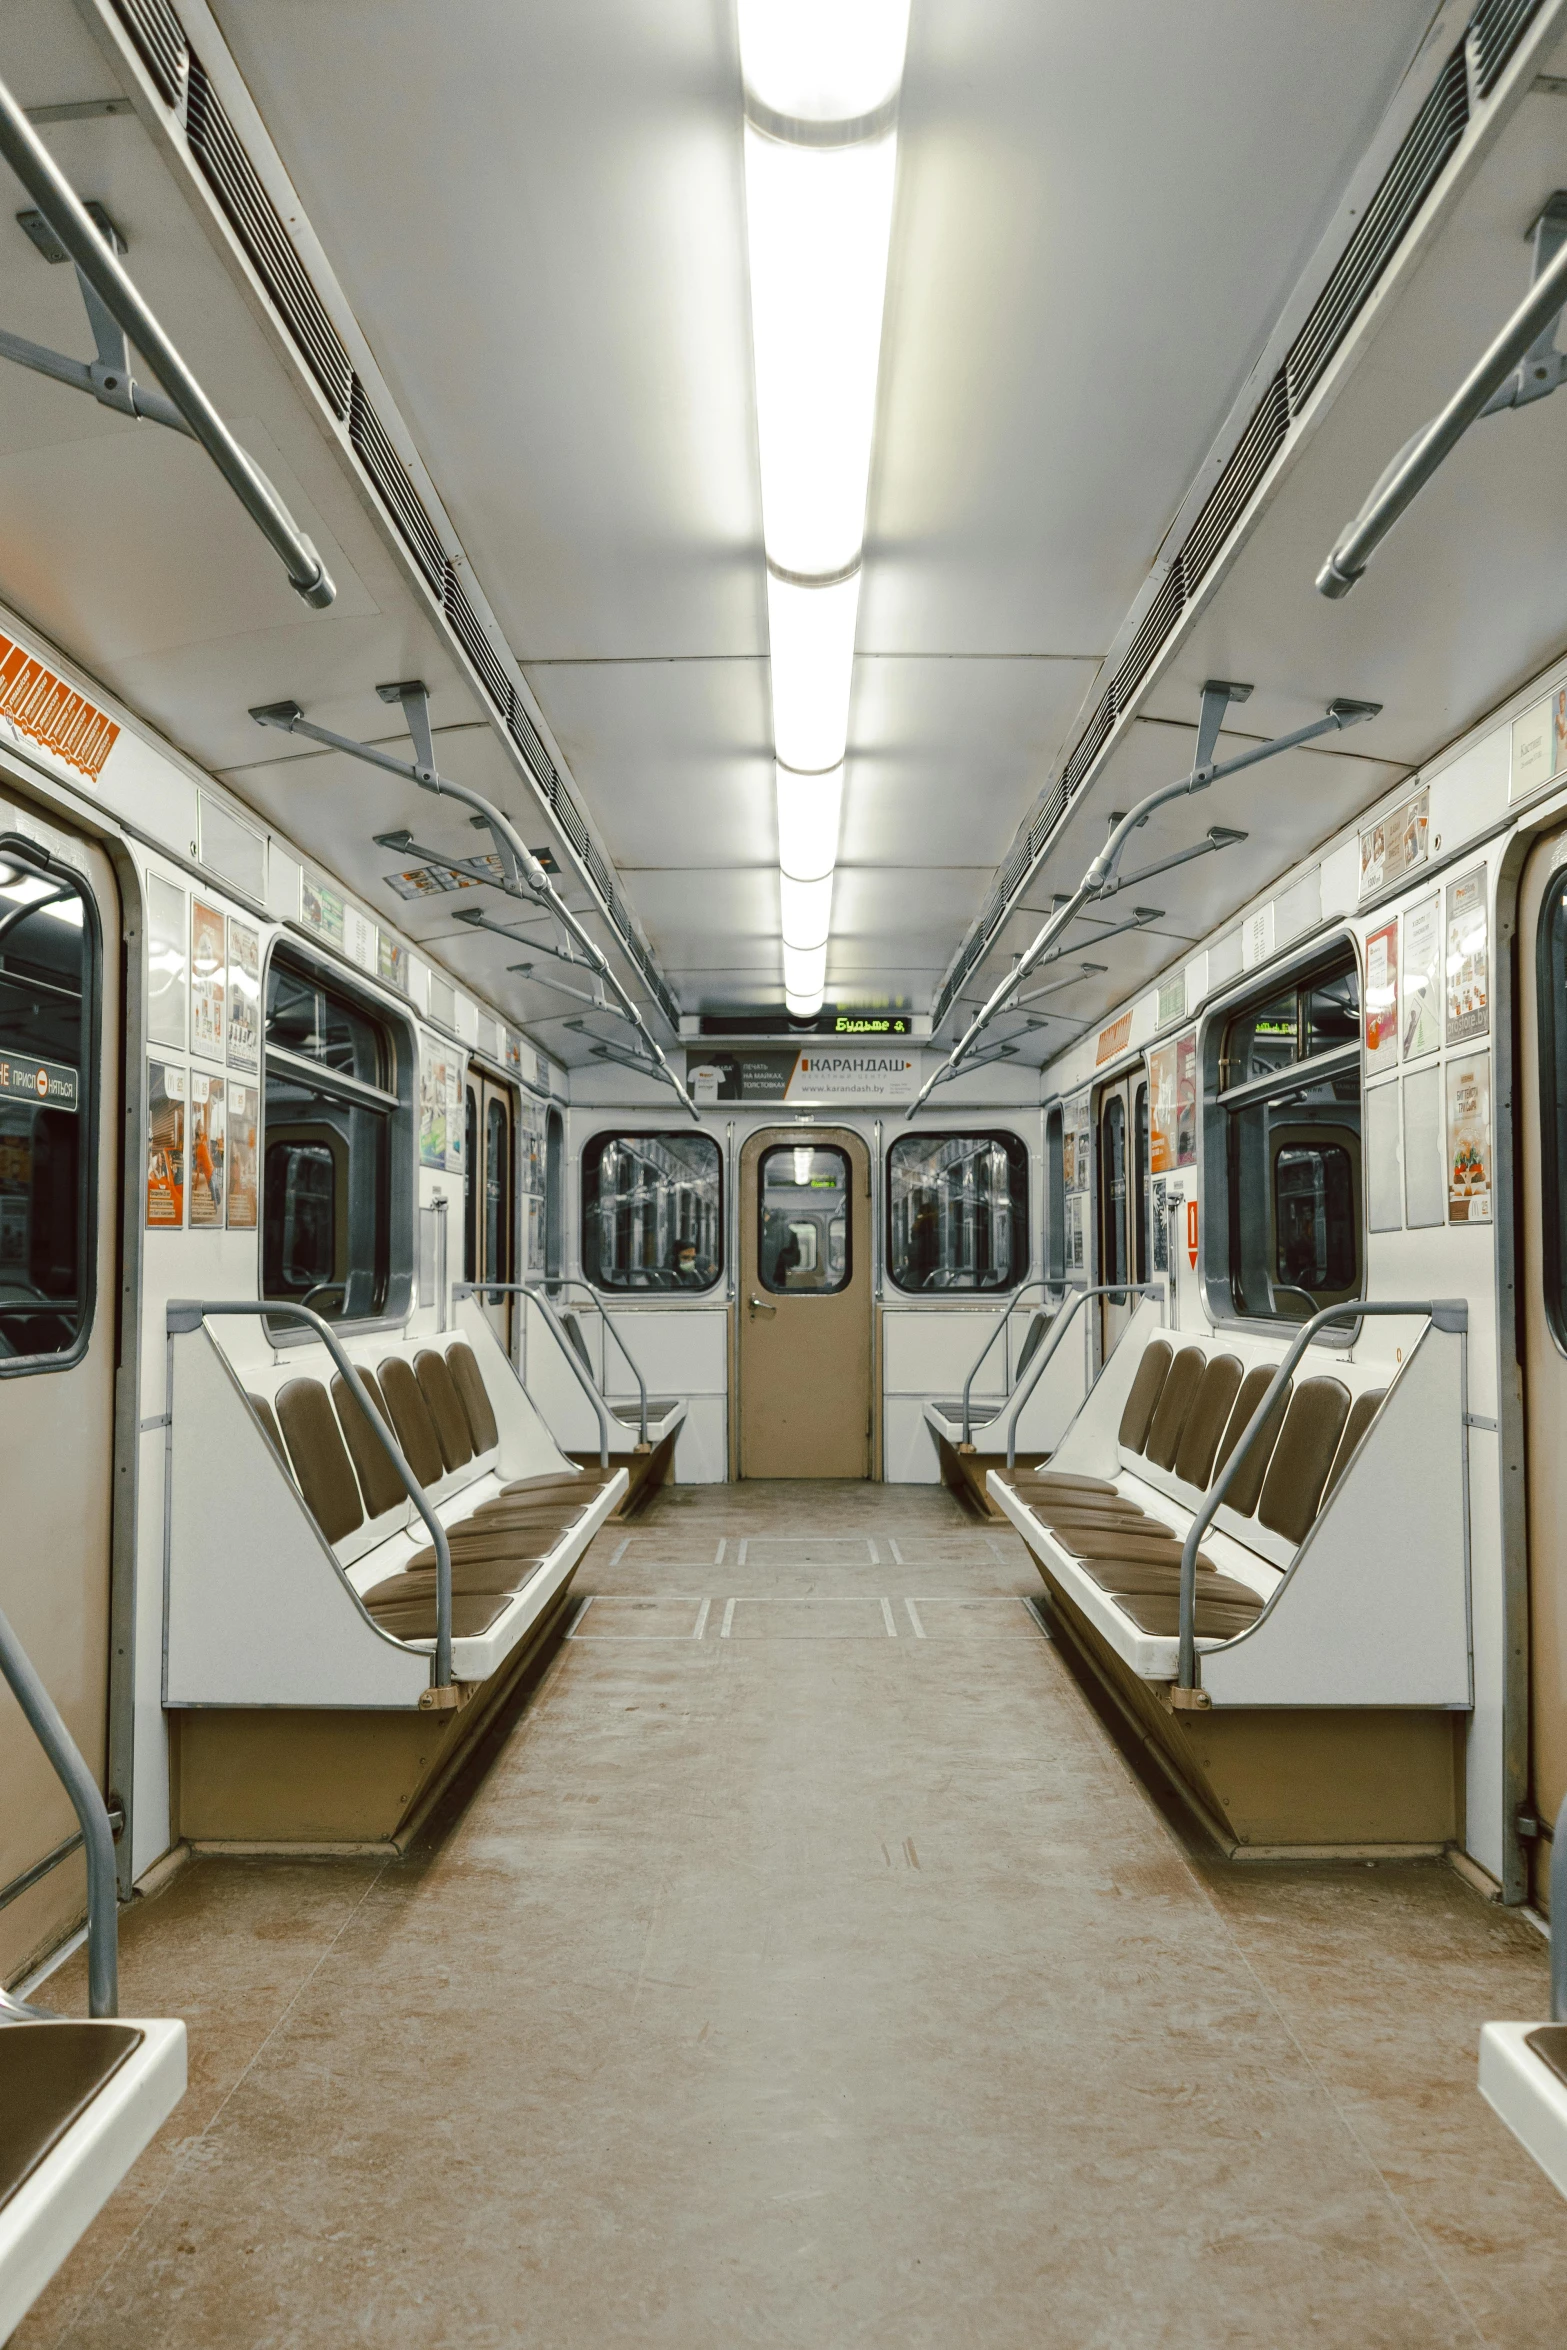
pixel 1523 2078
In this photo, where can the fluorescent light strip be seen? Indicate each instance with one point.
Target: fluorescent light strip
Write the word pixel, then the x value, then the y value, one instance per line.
pixel 822 79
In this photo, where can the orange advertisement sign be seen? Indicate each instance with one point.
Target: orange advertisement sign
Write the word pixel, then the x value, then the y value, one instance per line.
pixel 1113 1040
pixel 1161 1111
pixel 50 713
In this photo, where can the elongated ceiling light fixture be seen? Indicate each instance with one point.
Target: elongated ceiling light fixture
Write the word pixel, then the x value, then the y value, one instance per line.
pixel 821 97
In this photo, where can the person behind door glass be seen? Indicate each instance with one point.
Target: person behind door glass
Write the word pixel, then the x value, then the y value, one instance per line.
pixel 787 1260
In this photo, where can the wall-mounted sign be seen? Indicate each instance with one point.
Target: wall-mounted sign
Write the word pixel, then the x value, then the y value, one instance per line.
pixel 1422 978
pixel 811 1075
pixel 165 1146
pixel 1161 1111
pixel 1382 996
pixel 1191 1233
pixel 1113 1040
pixel 1469 1140
pixel 48 1083
pixel 1468 1007
pixel 1396 844
pixel 831 1020
pixel 37 704
pixel 1186 1100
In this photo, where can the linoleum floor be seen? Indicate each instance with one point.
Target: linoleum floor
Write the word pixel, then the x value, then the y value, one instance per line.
pixel 810 1968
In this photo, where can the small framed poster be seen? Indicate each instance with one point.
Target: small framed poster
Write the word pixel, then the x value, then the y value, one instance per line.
pixel 1468 1012
pixel 1382 997
pixel 244 1037
pixel 165 1146
pixel 1422 1026
pixel 208 981
pixel 1469 1140
pixel 206 1151
pixel 244 1106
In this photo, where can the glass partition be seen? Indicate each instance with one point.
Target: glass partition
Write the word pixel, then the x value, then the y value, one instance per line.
pixel 957 1212
pixel 803 1204
pixel 652 1212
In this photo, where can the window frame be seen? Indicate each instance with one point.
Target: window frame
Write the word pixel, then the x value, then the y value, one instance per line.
pixel 1553 1138
pixel 1022 1235
pixel 821 1230
pixel 626 1292
pixel 396 1101
pixel 1336 949
pixel 17 850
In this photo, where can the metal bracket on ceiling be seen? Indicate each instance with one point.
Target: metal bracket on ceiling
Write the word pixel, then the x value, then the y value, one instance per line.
pixel 521 873
pixel 107 378
pixel 1542 368
pixel 1100 879
pixel 476 919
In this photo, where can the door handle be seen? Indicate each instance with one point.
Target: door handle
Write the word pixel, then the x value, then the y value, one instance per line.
pixel 758 1307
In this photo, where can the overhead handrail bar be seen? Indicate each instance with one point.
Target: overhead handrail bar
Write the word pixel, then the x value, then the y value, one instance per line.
pixel 1100 880
pixel 1450 1313
pixel 1559 1918
pixel 1007 1311
pixel 537 1289
pixel 521 874
pixel 1058 1330
pixel 1485 390
pixel 187 408
pixel 43 1718
pixel 185 1314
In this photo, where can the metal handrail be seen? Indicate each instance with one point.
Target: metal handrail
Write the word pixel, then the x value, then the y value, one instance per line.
pixel 65 213
pixel 1559 1918
pixel 44 1720
pixel 1013 1302
pixel 578 1367
pixel 1451 1313
pixel 538 1289
pixel 185 1314
pixel 1058 1330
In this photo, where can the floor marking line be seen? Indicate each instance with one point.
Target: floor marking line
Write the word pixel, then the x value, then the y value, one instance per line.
pixel 898 1558
pixel 723 1544
pixel 729 1616
pixel 745 1543
pixel 701 1619
pixel 571 1628
pixel 617 1555
pixel 875 1558
pixel 914 1619
pixel 889 1619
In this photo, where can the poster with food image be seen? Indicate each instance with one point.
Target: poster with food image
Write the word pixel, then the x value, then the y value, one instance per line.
pixel 244 1106
pixel 206 1152
pixel 208 981
pixel 1161 1111
pixel 1469 1140
pixel 165 1146
pixel 1382 996
pixel 1467 964
pixel 1396 843
pixel 1422 978
pixel 1186 1100
pixel 244 1049
pixel 432 1108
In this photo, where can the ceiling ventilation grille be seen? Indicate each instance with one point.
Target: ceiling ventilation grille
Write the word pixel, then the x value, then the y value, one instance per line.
pixel 1495 30
pixel 1424 152
pixel 472 637
pixel 160 40
pixel 254 218
pixel 373 447
pixel 528 740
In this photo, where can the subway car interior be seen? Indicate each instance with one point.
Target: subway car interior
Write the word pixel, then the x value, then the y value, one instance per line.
pixel 783 1174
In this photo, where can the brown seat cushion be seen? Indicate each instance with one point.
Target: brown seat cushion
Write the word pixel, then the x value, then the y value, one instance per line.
pixel 1207 1419
pixel 1144 1578
pixel 269 1427
pixel 414 1619
pixel 1143 1395
pixel 485 1578
pixel 586 1482
pixel 379 1482
pixel 1302 1457
pixel 446 1410
pixel 1124 1542
pixel 320 1457
pixel 1361 1414
pixel 502 1545
pixel 1242 1495
pixel 1066 1519
pixel 1053 1481
pixel 1176 1398
pixel 1217 1619
pixel 49 2075
pixel 463 1365
pixel 410 1417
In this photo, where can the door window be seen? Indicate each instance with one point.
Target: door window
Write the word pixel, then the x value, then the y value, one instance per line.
pixel 47 1089
pixel 652 1211
pixel 1552 987
pixel 957 1211
pixel 497 1192
pixel 802 1199
pixel 1112 1192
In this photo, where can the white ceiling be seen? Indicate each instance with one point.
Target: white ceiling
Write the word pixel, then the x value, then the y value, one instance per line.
pixel 535 213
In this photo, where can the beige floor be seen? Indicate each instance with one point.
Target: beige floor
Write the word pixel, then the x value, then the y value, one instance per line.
pixel 814 1971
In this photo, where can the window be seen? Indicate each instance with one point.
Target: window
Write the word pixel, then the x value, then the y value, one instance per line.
pixel 331 1100
pixel 1055 1198
pixel 1288 1101
pixel 957 1211
pixel 1140 1182
pixel 48 955
pixel 652 1211
pixel 1551 982
pixel 1112 1189
pixel 803 1204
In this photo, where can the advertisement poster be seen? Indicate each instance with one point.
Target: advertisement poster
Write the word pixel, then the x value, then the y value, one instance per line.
pixel 1382 997
pixel 206 1152
pixel 770 1073
pixel 1469 1140
pixel 432 1109
pixel 244 996
pixel 455 1121
pixel 165 1146
pixel 321 908
pixel 168 963
pixel 1113 1040
pixel 1422 976
pixel 1186 1100
pixel 1161 1112
pixel 208 981
pixel 1396 844
pixel 1467 1013
pixel 392 963
pixel 1537 748
pixel 244 1105
pixel 1074 1232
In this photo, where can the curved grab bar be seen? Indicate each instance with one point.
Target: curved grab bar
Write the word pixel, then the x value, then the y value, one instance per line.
pixel 187 1313
pixel 539 1289
pixel 1451 1313
pixel 1058 1330
pixel 569 1281
pixel 1007 1311
pixel 43 1719
pixel 579 1369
